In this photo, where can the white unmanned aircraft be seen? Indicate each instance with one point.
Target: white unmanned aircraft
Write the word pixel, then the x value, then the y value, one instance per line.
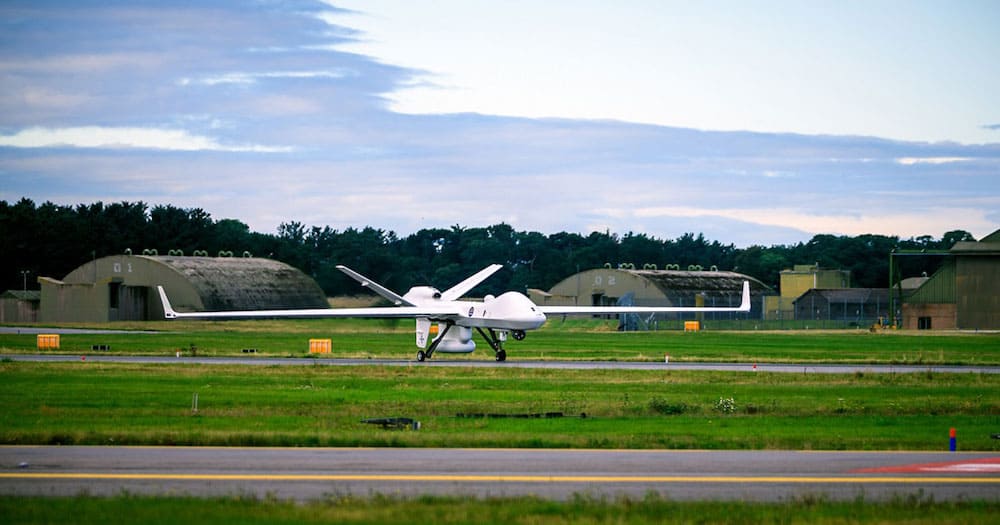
pixel 494 317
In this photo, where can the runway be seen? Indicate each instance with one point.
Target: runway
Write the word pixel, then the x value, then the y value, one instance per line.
pixel 514 363
pixel 310 473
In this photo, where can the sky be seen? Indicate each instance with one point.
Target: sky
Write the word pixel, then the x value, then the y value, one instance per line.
pixel 751 122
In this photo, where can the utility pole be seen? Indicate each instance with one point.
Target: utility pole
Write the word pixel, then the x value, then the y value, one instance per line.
pixel 24 280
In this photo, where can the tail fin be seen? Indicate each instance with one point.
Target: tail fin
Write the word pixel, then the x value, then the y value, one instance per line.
pixel 375 287
pixel 456 292
pixel 745 303
pixel 168 311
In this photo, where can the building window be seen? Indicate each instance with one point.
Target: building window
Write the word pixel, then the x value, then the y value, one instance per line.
pixel 923 323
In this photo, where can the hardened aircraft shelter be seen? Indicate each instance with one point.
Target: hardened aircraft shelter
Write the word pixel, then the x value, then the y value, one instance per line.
pixel 628 287
pixel 123 287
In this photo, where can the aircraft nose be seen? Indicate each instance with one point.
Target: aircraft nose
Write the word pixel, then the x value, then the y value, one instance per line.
pixel 538 318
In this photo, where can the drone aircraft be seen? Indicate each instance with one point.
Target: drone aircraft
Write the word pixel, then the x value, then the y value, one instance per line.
pixel 447 320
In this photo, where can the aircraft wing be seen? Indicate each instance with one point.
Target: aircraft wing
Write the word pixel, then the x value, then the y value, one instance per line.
pixel 433 312
pixel 597 310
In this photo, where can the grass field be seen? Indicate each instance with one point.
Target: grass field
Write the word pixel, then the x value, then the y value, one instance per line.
pixel 84 402
pixel 572 339
pixel 96 403
pixel 170 510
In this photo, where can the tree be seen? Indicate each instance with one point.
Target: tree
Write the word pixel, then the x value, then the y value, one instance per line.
pixel 52 240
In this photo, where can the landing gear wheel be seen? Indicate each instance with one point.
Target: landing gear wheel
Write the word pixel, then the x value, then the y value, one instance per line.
pixel 501 356
pixel 519 335
pixel 421 356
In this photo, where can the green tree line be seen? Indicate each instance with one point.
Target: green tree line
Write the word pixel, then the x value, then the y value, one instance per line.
pixel 51 240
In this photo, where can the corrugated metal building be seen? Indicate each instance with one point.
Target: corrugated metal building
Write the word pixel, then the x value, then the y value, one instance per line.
pixel 123 287
pixel 607 286
pixel 963 294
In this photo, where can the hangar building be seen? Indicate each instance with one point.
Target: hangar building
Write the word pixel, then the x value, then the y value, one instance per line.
pixel 123 287
pixel 607 286
pixel 963 294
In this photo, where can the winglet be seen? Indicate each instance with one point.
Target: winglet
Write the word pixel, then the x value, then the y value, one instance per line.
pixel 168 311
pixel 745 304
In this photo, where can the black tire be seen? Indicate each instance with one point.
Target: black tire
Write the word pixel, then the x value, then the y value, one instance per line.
pixel 501 356
pixel 421 356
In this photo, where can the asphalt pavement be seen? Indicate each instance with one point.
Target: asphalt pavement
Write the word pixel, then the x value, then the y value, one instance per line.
pixel 311 473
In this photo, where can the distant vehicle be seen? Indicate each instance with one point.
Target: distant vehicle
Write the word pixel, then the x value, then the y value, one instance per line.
pixel 447 321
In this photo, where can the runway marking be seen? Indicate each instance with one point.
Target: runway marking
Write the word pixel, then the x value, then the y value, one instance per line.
pixel 975 466
pixel 497 478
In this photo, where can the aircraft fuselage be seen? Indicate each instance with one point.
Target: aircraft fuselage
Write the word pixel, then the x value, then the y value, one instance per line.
pixel 509 311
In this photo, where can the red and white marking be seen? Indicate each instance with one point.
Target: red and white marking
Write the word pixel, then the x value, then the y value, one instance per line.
pixel 967 466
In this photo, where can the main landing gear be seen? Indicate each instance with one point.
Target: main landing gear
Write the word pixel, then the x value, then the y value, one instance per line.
pixel 421 355
pixel 493 339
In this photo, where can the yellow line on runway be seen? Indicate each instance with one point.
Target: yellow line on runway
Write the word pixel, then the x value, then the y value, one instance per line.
pixel 498 478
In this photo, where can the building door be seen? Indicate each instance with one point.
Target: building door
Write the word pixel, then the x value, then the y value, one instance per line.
pixel 133 303
pixel 127 303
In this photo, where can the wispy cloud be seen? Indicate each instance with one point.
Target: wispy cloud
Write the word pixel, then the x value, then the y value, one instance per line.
pixel 851 222
pixel 253 78
pixel 126 138
pixel 994 127
pixel 910 161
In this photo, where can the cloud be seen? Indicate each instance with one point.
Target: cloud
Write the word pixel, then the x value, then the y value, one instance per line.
pixel 853 222
pixel 994 127
pixel 125 138
pixel 252 78
pixel 288 127
pixel 86 63
pixel 910 161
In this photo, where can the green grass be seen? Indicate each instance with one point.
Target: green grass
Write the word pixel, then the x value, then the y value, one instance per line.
pixel 573 339
pixel 96 403
pixel 84 510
